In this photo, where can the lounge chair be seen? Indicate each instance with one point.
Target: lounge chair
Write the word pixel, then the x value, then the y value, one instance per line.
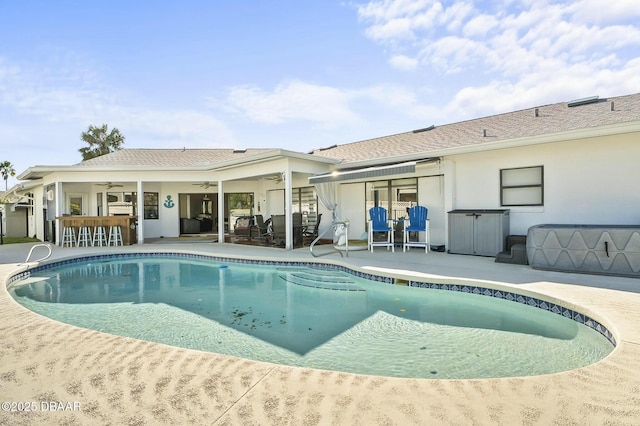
pixel 418 222
pixel 242 227
pixel 378 223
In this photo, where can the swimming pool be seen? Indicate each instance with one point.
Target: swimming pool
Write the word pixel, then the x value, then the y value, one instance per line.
pixel 311 315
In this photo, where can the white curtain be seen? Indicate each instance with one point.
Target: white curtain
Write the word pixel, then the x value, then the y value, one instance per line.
pixel 328 195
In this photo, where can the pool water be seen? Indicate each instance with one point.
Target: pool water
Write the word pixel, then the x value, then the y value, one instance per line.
pixel 311 317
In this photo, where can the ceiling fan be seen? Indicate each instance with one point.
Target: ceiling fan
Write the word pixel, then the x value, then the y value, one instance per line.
pixel 110 185
pixel 205 185
pixel 279 178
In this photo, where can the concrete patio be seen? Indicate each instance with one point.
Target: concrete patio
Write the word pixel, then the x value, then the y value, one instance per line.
pixel 119 380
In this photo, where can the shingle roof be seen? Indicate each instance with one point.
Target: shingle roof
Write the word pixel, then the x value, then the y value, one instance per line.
pixel 553 118
pixel 169 157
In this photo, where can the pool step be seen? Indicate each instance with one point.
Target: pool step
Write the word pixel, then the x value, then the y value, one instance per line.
pixel 306 279
pixel 316 271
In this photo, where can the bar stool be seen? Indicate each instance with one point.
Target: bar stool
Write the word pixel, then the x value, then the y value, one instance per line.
pixel 68 236
pixel 100 236
pixel 115 235
pixel 84 237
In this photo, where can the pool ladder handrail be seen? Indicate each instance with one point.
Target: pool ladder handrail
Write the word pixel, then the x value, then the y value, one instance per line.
pixel 48 246
pixel 332 228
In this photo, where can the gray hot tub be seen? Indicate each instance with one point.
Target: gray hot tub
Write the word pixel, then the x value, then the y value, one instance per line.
pixel 594 249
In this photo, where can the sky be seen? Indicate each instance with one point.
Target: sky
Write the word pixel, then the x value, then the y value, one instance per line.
pixel 293 74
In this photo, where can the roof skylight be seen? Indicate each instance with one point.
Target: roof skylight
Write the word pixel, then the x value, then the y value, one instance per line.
pixel 583 101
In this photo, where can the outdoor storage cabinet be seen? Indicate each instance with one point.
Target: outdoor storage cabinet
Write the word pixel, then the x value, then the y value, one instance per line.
pixel 478 232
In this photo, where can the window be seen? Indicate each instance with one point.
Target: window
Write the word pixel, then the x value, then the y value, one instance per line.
pixel 522 186
pixel 238 204
pixel 99 203
pixel 150 205
pixel 305 201
pixel 121 204
pixel 403 194
pixel 76 204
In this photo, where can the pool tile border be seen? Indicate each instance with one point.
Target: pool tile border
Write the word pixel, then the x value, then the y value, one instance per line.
pixel 463 288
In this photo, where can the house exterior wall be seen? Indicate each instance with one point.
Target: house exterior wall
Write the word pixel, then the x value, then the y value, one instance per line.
pixel 586 181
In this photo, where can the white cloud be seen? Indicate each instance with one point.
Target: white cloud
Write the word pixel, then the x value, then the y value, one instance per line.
pixel 387 10
pixel 398 99
pixel 454 16
pixel 329 107
pixel 173 128
pixel 400 19
pixel 294 100
pixel 403 62
pixel 599 12
pixel 78 98
pixel 511 55
pixel 568 83
pixel 393 29
pixel 479 26
pixel 453 54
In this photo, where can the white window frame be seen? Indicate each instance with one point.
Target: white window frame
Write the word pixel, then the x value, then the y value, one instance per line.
pixel 522 186
pixel 83 196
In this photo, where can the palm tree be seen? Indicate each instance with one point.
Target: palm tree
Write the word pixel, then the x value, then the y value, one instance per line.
pixel 100 141
pixel 6 169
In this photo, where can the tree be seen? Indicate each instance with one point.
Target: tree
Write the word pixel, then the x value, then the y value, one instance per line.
pixel 6 169
pixel 100 141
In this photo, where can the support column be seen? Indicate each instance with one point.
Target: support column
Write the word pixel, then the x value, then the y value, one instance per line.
pixel 220 211
pixel 288 209
pixel 59 211
pixel 140 201
pixel 449 177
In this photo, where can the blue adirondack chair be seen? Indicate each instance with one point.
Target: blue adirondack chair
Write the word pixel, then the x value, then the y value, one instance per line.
pixel 378 222
pixel 418 222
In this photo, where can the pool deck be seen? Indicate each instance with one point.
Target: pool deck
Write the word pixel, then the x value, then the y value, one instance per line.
pixel 118 380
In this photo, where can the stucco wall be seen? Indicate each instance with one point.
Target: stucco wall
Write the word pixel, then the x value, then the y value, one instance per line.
pixel 588 181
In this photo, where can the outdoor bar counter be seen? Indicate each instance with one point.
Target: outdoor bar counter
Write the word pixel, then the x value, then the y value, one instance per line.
pixel 127 225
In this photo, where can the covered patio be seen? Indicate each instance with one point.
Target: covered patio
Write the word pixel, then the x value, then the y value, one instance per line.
pixel 169 200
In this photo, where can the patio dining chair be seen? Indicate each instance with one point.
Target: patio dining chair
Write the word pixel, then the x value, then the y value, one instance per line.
pixel 418 222
pixel 278 228
pixel 378 223
pixel 260 229
pixel 311 234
